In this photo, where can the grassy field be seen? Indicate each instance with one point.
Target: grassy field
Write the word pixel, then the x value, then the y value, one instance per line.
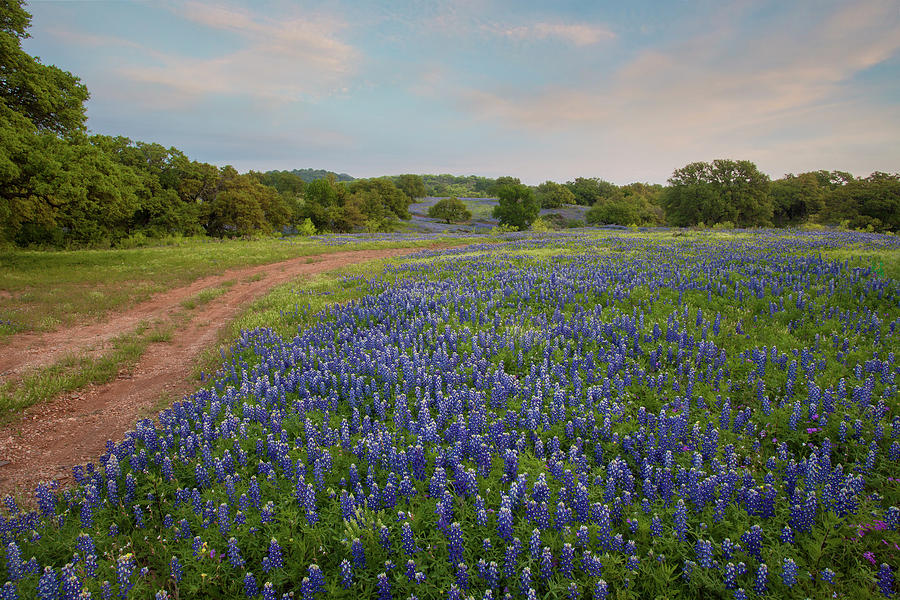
pixel 75 371
pixel 41 290
pixel 46 290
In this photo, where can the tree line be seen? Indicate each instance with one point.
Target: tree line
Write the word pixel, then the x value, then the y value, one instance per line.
pixel 724 192
pixel 62 186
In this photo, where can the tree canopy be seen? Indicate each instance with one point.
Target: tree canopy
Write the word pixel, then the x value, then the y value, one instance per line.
pixel 553 195
pixel 450 210
pixel 412 186
pixel 50 98
pixel 724 190
pixel 516 206
pixel 588 191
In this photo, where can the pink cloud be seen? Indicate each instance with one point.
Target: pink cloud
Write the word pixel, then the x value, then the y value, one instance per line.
pixel 579 34
pixel 277 60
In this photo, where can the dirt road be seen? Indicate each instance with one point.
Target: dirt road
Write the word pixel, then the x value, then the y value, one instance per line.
pixel 50 438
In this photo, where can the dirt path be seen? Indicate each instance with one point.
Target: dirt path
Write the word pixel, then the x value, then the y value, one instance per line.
pixel 52 437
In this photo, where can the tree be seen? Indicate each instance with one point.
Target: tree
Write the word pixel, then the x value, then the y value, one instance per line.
pixel 553 195
pixel 588 191
pixel 617 210
pixel 285 182
pixel 795 198
pixel 243 206
pixel 450 210
pixel 872 202
pixel 63 191
pixel 412 186
pixel 331 207
pixel 830 180
pixel 745 191
pixel 379 198
pixel 503 181
pixel 50 98
pixel 724 190
pixel 516 206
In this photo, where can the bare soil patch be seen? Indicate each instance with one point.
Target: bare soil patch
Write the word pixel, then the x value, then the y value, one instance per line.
pixel 50 438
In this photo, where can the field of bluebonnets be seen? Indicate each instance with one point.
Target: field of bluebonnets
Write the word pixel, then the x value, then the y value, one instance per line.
pixel 582 416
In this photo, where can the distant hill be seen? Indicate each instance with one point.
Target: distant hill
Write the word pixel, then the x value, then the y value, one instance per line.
pixel 308 175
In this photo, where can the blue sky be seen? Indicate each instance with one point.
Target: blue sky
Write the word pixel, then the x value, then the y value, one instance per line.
pixel 625 91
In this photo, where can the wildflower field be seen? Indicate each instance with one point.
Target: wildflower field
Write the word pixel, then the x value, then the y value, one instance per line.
pixel 612 415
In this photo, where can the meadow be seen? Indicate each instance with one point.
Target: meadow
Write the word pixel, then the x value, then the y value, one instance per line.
pixel 45 290
pixel 581 415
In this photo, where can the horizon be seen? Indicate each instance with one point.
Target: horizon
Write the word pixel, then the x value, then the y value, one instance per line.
pixel 621 93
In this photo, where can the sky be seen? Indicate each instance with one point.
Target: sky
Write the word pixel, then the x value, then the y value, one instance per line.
pixel 550 90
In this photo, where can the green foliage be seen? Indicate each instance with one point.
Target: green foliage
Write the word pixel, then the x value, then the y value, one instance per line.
pixel 539 225
pixel 724 190
pixel 64 191
pixel 470 186
pixel 588 191
pixel 329 207
pixel 614 211
pixel 871 203
pixel 306 228
pixel 553 195
pixel 503 181
pixel 244 207
pixel 516 206
pixel 634 204
pixel 412 186
pixel 795 198
pixel 450 210
pixel 286 182
pixel 379 198
pixel 50 98
pixel 502 229
pixel 309 175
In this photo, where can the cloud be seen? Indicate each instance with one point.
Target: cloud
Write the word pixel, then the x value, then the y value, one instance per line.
pixel 276 60
pixel 576 34
pixel 80 38
pixel 711 84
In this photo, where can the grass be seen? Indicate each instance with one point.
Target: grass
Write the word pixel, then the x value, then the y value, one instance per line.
pixel 74 372
pixel 281 310
pixel 480 210
pixel 44 290
pixel 203 297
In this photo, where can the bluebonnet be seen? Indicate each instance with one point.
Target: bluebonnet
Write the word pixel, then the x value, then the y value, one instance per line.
pixel 234 554
pixel 760 583
pixel 48 585
pixel 346 574
pixel 359 554
pixel 789 572
pixel 384 587
pixel 886 580
pixel 125 567
pixel 455 545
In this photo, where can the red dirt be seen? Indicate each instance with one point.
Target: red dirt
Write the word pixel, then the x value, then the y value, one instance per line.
pixel 50 438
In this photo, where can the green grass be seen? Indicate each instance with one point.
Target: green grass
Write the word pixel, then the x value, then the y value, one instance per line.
pixel 479 210
pixel 293 304
pixel 73 372
pixel 203 296
pixel 44 290
pixel 77 269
